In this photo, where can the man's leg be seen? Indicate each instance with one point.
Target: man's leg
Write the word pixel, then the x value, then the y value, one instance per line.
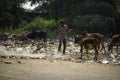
pixel 64 45
pixel 60 44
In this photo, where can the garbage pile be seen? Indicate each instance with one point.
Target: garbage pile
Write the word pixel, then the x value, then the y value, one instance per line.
pixel 49 52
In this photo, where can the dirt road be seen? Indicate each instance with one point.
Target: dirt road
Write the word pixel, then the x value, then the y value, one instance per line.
pixel 57 70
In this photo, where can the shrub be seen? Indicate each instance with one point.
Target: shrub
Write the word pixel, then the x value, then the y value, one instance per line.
pixel 42 24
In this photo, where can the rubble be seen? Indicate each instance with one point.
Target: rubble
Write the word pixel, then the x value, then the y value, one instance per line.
pixel 104 61
pixel 8 62
pixel 49 52
pixel 19 62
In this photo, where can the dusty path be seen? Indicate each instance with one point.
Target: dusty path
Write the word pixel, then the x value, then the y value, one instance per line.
pixel 59 70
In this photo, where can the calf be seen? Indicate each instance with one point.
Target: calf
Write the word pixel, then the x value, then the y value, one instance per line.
pixel 94 35
pixel 87 42
pixel 100 37
pixel 114 42
pixel 77 39
pixel 35 35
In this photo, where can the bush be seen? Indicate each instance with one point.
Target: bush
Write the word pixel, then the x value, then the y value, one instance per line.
pixel 42 24
pixel 93 23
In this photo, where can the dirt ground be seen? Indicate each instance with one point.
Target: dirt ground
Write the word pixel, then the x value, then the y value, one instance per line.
pixel 37 69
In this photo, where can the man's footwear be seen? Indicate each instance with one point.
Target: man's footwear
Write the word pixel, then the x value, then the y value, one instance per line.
pixel 63 53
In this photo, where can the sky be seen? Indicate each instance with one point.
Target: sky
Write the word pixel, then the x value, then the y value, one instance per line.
pixel 27 5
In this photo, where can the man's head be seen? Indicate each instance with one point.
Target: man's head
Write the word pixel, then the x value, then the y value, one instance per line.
pixel 84 32
pixel 61 22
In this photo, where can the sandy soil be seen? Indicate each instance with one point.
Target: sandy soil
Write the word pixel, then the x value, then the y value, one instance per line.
pixel 36 69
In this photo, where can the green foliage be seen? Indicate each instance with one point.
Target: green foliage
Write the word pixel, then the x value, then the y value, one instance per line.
pixel 117 5
pixel 10 13
pixel 90 15
pixel 93 23
pixel 42 24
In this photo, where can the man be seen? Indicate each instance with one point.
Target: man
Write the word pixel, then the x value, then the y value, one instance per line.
pixel 62 35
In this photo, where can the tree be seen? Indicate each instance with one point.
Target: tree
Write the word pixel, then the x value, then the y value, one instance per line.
pixel 10 13
pixel 66 8
pixel 58 8
pixel 71 9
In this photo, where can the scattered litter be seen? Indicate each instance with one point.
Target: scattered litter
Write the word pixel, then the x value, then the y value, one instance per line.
pixel 19 62
pixel 104 61
pixel 8 62
pixel 80 61
pixel 50 52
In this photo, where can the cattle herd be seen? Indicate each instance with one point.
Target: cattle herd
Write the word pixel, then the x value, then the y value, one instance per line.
pixel 86 41
pixel 25 36
pixel 96 42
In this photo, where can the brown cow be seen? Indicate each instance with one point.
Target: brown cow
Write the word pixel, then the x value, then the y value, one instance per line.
pixel 94 35
pixel 100 37
pixel 87 42
pixel 114 42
